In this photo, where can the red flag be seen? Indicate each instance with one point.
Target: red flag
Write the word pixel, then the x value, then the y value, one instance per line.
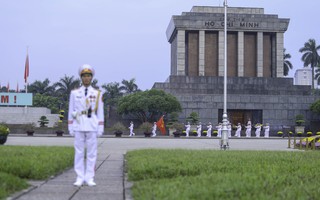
pixel 26 69
pixel 160 125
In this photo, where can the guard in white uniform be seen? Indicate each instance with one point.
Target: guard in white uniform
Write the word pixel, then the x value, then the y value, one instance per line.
pixel 154 129
pixel 188 127
pixel 85 123
pixel 219 128
pixel 258 129
pixel 199 128
pixel 238 132
pixel 248 129
pixel 131 129
pixel 266 130
pixel 209 129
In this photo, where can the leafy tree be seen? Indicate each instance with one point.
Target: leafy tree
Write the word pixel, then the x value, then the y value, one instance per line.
pixel 50 102
pixel 130 86
pixel 310 56
pixel 43 87
pixel 193 118
pixel 315 107
pixel 148 105
pixel 287 65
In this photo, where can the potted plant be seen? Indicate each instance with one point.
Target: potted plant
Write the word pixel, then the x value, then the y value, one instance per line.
pixel 4 132
pixel 309 133
pixel 280 133
pixel 299 133
pixel 118 129
pixel 299 123
pixel 29 128
pixel 146 128
pixel 43 121
pixel 173 118
pixel 215 133
pixel 178 127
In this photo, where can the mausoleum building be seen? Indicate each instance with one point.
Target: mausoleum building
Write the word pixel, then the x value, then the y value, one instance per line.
pixel 256 89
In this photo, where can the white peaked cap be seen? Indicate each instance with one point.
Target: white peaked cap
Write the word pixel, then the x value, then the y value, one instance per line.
pixel 86 69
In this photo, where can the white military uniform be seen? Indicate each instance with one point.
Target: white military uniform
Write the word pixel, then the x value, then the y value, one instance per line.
pixel 238 132
pixel 248 131
pixel 154 129
pixel 131 129
pixel 229 127
pixel 188 127
pixel 266 130
pixel 85 129
pixel 209 130
pixel 199 128
pixel 219 128
pixel 258 130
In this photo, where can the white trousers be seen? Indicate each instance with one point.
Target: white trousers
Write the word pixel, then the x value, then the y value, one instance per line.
pixel 85 142
pixel 238 133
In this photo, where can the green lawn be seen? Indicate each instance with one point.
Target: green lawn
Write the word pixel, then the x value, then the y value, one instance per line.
pixel 207 174
pixel 21 163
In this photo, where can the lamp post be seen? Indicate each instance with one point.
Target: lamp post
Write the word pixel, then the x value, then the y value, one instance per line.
pixel 224 143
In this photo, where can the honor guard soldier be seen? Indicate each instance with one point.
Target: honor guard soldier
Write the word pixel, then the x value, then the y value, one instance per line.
pixel 85 123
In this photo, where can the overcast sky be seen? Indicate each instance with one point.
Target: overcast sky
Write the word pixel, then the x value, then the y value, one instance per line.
pixel 122 39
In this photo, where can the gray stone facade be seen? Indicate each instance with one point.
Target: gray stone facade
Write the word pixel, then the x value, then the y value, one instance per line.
pixel 277 98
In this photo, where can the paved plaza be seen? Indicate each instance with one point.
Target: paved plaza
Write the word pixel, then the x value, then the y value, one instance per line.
pixel 110 177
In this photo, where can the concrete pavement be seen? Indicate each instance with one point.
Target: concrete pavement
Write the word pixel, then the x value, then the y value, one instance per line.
pixel 110 177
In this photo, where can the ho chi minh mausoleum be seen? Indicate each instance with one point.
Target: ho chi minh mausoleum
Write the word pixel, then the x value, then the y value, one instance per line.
pixel 256 88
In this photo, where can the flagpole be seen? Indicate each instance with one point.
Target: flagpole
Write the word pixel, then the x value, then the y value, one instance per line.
pixel 224 138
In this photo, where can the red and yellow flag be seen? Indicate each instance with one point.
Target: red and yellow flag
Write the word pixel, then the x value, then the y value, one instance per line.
pixel 160 125
pixel 26 69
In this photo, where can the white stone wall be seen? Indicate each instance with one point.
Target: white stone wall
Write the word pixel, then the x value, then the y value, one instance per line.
pixel 25 115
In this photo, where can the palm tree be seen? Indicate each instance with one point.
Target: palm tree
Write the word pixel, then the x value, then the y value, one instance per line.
pixel 113 92
pixel 65 85
pixel 130 86
pixel 42 87
pixel 286 63
pixel 310 56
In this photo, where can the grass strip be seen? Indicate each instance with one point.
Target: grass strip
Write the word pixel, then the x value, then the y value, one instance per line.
pixel 207 174
pixel 21 163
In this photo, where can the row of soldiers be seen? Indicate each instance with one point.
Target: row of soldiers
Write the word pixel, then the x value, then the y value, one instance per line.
pixel 248 127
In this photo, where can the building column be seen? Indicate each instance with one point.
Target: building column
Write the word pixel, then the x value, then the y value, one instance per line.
pixel 240 54
pixel 201 53
pixel 259 54
pixel 221 54
pixel 181 53
pixel 279 55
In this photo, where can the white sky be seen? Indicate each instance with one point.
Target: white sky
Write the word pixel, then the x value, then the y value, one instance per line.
pixel 122 39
